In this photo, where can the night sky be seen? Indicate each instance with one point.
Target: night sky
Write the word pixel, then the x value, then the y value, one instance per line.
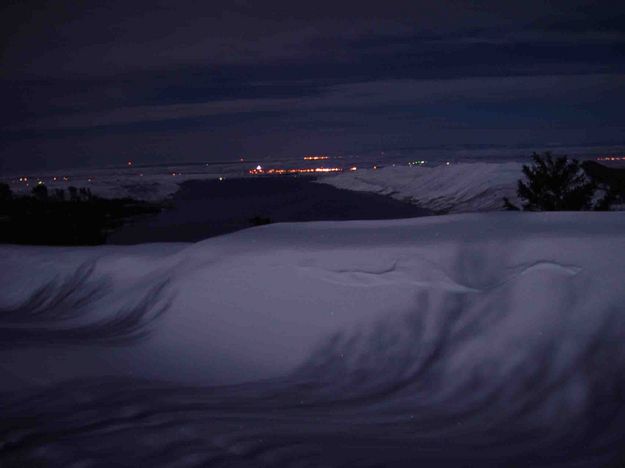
pixel 101 82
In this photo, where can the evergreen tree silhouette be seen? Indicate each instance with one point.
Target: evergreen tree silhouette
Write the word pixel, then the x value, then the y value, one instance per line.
pixel 554 184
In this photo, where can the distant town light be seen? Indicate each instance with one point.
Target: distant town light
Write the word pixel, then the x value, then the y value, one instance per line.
pixel 260 170
pixel 316 158
pixel 611 158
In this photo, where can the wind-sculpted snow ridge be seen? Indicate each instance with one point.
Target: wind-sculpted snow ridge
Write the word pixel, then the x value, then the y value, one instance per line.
pixel 469 340
pixel 457 188
pixel 391 395
pixel 58 314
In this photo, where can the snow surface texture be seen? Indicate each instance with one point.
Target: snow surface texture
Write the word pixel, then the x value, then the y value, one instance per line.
pixel 464 340
pixel 454 188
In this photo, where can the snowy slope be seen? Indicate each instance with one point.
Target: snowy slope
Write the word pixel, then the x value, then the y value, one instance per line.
pixel 457 188
pixel 451 334
pixel 260 299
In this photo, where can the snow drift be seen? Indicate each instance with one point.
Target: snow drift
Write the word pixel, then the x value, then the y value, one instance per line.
pixel 457 188
pixel 466 340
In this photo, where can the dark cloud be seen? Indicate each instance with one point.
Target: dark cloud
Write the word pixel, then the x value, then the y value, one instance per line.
pixel 97 79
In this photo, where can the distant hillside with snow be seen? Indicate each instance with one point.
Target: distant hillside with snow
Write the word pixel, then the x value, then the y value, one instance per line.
pixel 455 188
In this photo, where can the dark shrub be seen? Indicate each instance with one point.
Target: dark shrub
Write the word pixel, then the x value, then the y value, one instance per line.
pixel 40 192
pixel 85 193
pixel 73 193
pixel 610 180
pixel 59 194
pixel 5 192
pixel 554 184
pixel 84 220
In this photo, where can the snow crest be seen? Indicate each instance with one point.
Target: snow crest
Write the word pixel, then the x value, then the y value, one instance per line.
pixel 465 340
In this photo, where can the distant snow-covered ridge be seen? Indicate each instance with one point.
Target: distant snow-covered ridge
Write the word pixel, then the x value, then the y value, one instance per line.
pixel 455 188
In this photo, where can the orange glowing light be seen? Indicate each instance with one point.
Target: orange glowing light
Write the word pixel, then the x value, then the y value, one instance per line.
pixel 316 158
pixel 309 170
pixel 611 158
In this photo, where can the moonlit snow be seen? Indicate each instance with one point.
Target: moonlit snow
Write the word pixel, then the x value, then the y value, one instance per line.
pixel 464 340
pixel 454 188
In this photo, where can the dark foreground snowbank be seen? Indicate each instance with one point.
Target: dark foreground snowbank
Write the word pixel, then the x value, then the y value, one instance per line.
pixel 471 340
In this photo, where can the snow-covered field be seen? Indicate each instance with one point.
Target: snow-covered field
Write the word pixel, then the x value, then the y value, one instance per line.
pixel 454 188
pixel 464 340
